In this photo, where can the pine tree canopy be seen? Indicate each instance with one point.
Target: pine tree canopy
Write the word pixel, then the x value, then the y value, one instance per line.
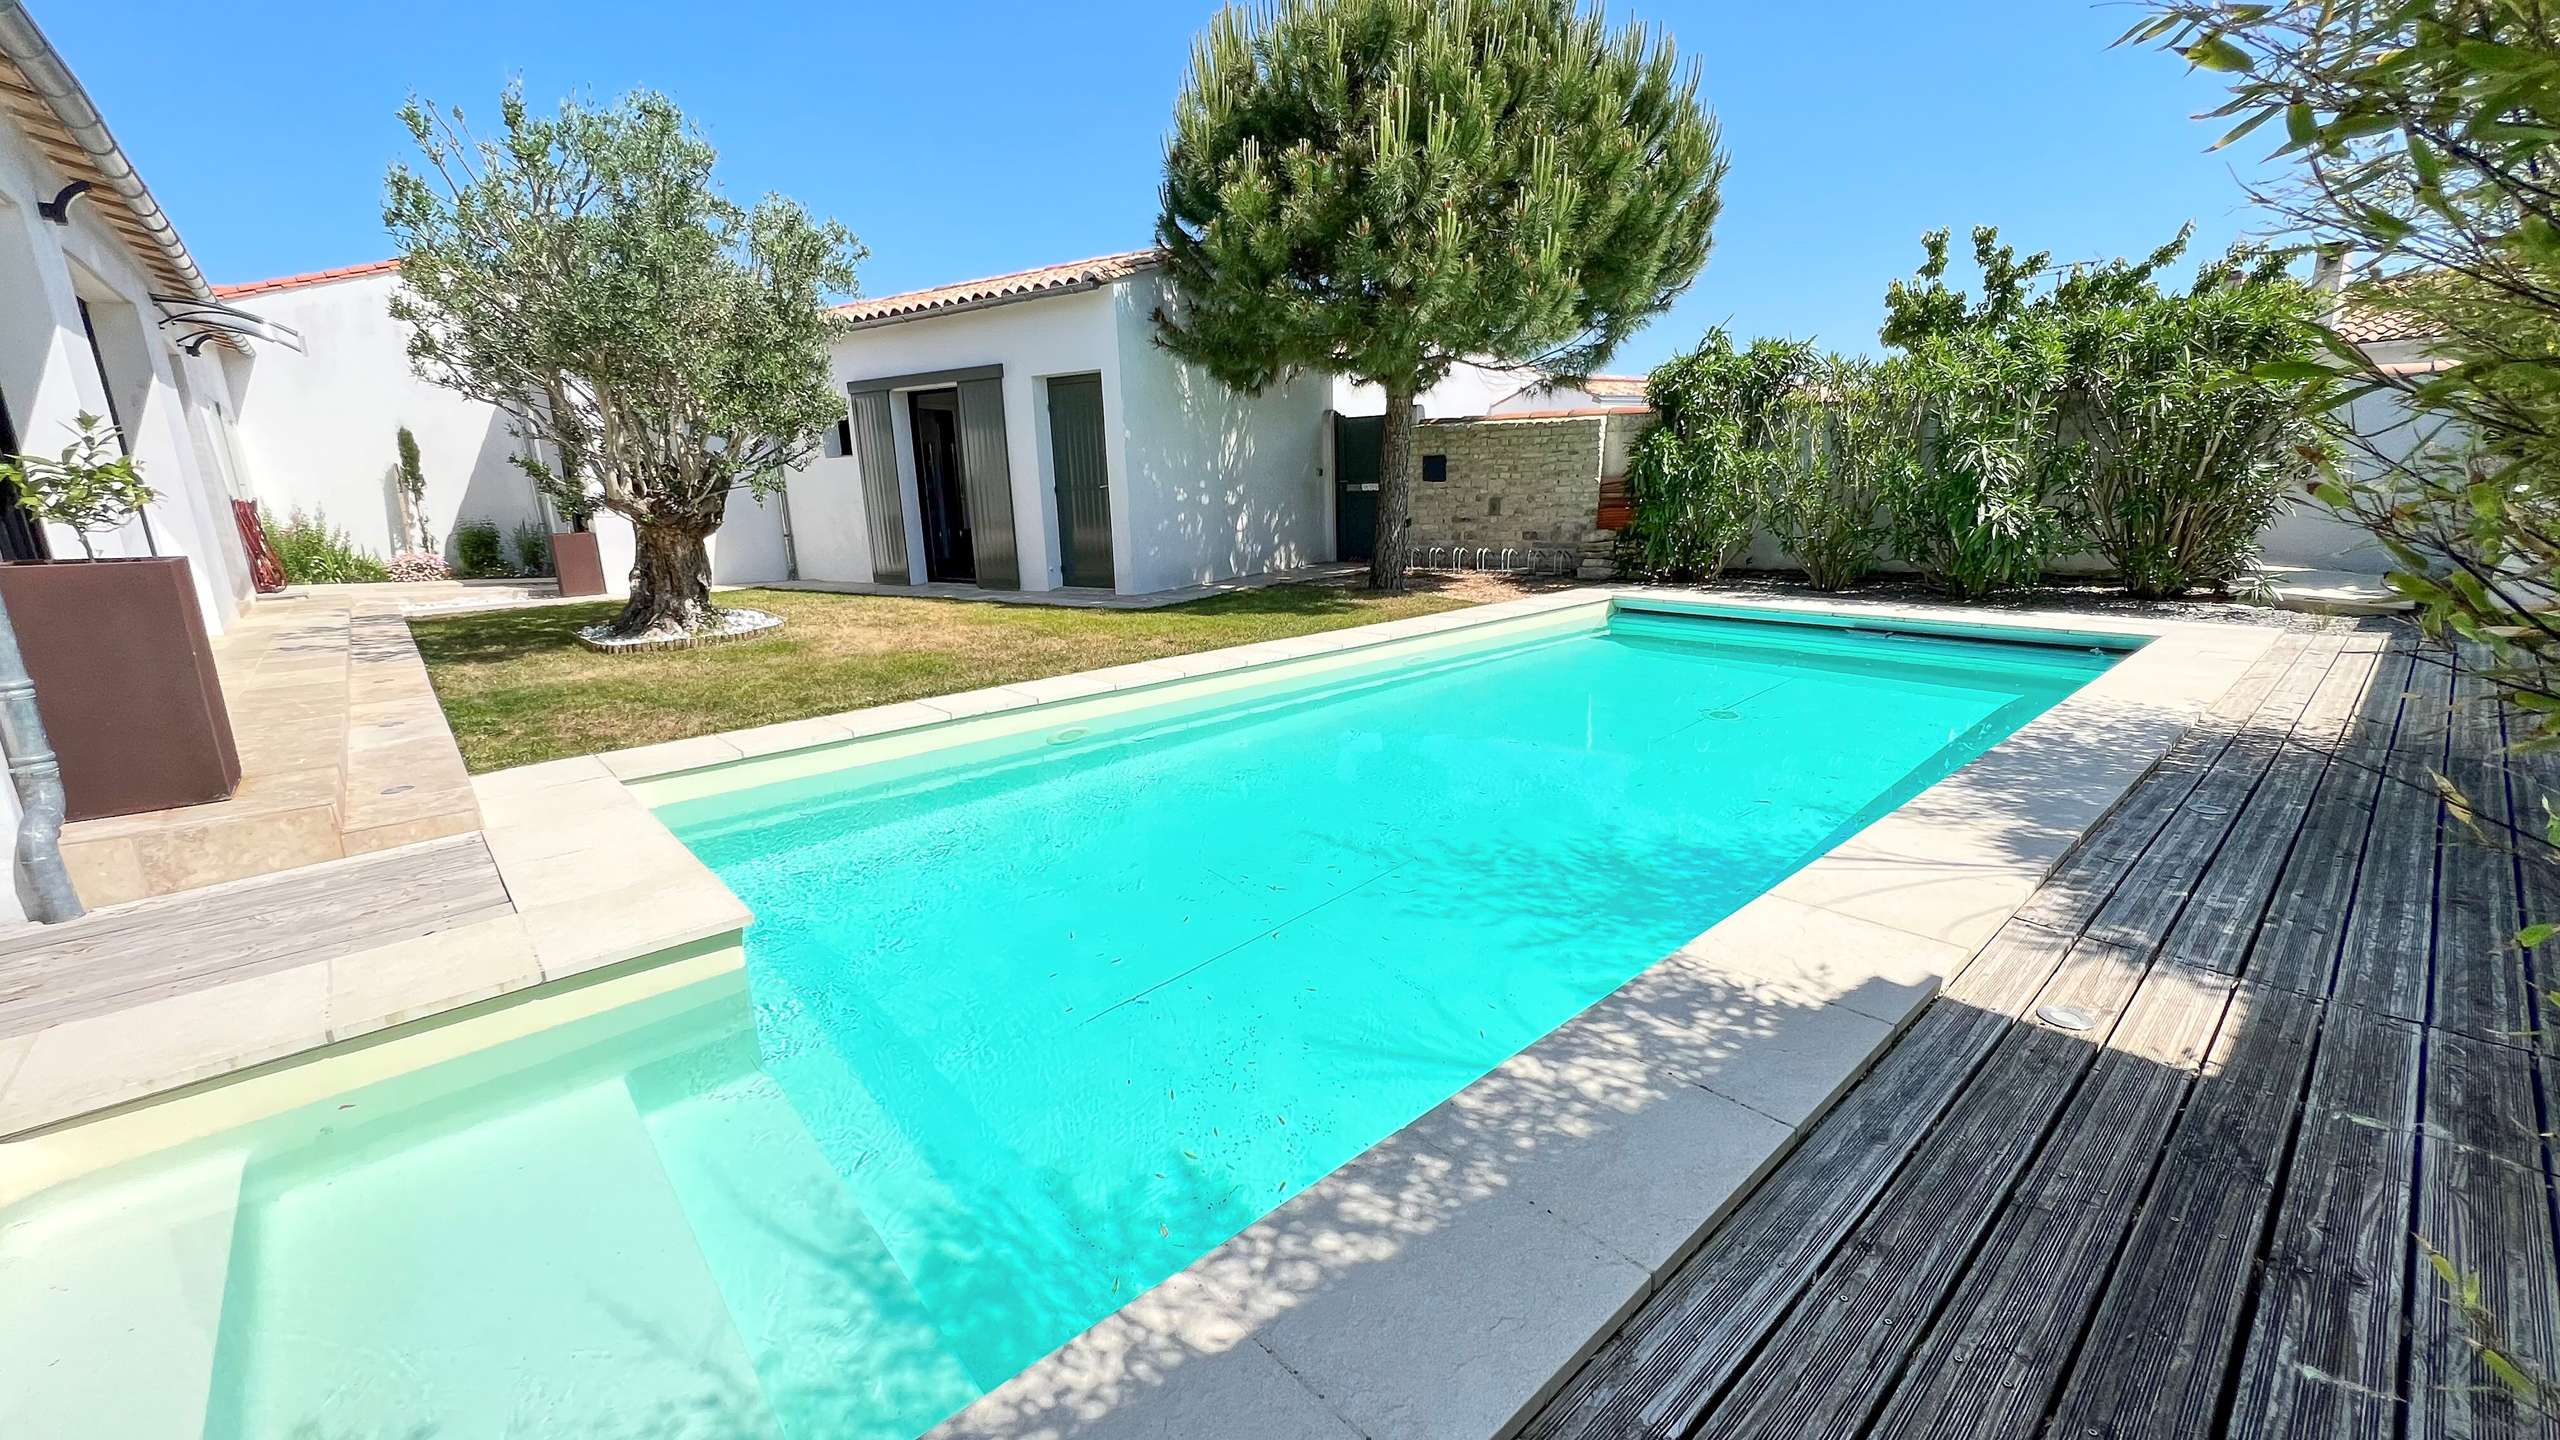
pixel 1380 187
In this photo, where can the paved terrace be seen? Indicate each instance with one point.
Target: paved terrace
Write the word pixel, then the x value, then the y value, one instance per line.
pixel 2163 1159
pixel 343 750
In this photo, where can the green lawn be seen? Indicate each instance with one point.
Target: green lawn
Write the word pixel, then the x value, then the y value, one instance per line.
pixel 517 688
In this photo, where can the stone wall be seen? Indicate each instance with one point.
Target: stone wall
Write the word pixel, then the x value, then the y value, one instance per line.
pixel 1524 481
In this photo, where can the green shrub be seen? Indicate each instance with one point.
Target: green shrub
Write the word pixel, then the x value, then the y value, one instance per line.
pixel 1978 510
pixel 533 548
pixel 479 551
pixel 1695 481
pixel 2186 453
pixel 1846 438
pixel 313 552
pixel 2088 407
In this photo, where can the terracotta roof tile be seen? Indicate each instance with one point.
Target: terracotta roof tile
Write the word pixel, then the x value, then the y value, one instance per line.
pixel 315 277
pixel 998 289
pixel 1614 387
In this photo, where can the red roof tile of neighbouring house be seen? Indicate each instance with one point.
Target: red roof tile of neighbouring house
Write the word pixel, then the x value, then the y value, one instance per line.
pixel 316 277
pixel 1001 289
pixel 1614 387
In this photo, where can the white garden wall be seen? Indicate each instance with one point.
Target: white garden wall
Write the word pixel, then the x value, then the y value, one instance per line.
pixel 321 428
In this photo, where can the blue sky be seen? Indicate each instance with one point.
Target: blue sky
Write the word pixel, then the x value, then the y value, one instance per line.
pixel 961 139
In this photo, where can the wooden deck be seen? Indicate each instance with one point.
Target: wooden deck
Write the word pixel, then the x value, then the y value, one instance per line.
pixel 2166 1159
pixel 127 955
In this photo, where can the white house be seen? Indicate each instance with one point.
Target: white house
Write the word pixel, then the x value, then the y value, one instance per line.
pixel 1026 431
pixel 106 314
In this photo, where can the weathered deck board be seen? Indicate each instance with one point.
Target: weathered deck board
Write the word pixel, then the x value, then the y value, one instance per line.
pixel 2385 956
pixel 151 948
pixel 2486 1209
pixel 2225 906
pixel 2481 985
pixel 1818 1374
pixel 2325 1341
pixel 2000 1239
pixel 2153 1361
pixel 2297 944
pixel 2091 873
pixel 1995 1352
pixel 1713 1310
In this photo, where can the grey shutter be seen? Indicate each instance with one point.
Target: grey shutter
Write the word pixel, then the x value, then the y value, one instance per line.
pixel 883 510
pixel 986 470
pixel 1077 454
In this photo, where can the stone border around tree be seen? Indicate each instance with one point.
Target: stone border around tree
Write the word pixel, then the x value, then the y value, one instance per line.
pixel 757 623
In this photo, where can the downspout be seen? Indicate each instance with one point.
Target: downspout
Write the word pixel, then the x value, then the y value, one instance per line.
pixel 38 779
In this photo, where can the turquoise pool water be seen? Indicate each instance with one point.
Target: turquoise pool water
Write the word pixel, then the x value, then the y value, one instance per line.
pixel 1032 1023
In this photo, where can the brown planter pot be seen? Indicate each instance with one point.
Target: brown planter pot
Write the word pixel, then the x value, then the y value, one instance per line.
pixel 580 566
pixel 125 681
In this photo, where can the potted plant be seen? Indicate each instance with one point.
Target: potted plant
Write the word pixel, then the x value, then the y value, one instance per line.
pixel 123 669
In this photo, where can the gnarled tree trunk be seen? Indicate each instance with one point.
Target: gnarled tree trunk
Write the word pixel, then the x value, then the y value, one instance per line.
pixel 670 580
pixel 1395 490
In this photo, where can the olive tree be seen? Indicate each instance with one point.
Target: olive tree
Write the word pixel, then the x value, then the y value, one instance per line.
pixel 582 273
pixel 1381 188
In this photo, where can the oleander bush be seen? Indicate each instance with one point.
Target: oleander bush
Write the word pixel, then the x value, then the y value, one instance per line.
pixel 1696 481
pixel 1846 438
pixel 314 552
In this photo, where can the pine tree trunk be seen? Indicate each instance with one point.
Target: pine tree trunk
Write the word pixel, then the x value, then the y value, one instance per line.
pixel 1395 490
pixel 670 581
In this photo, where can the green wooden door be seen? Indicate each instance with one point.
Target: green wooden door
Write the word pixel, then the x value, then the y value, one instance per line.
pixel 884 510
pixel 986 469
pixel 1082 464
pixel 1359 445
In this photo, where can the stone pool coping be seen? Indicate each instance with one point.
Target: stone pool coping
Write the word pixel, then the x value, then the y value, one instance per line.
pixel 1446 1280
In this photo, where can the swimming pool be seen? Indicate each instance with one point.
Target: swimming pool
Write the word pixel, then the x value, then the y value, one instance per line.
pixel 1038 1018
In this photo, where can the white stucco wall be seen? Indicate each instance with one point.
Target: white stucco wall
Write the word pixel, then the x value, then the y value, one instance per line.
pixel 1073 334
pixel 170 405
pixel 49 374
pixel 321 428
pixel 1470 388
pixel 1209 483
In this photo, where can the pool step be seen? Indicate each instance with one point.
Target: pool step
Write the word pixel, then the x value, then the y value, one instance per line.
pixel 129 1286
pixel 962 1220
pixel 842 1344
pixel 508 1277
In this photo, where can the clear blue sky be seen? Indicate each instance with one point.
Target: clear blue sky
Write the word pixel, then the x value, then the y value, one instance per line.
pixel 962 138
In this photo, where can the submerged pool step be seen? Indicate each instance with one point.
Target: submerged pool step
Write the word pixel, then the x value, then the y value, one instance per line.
pixel 129 1285
pixel 842 1344
pixel 533 1273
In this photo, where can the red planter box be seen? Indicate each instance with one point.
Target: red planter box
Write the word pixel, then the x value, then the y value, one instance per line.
pixel 125 681
pixel 576 561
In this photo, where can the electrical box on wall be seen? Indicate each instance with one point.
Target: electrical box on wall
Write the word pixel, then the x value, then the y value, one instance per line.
pixel 1435 468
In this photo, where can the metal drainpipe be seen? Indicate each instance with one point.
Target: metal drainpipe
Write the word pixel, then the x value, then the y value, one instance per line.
pixel 38 778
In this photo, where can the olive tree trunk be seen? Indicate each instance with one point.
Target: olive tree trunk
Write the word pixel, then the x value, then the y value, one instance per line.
pixel 1395 490
pixel 670 580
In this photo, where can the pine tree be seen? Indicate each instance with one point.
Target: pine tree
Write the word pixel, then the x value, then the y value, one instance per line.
pixel 1380 188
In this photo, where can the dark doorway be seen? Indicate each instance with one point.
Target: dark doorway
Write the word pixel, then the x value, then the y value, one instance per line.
pixel 941 503
pixel 1358 443
pixel 1077 452
pixel 21 538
